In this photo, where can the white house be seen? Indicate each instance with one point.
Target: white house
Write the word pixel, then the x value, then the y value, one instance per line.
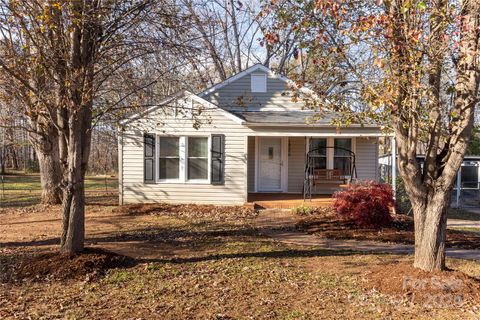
pixel 243 137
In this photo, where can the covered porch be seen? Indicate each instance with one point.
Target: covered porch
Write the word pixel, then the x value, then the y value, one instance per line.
pixel 311 167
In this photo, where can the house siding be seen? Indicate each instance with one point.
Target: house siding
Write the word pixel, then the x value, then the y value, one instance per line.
pixel 213 121
pixel 296 164
pixel 237 95
pixel 240 149
pixel 367 158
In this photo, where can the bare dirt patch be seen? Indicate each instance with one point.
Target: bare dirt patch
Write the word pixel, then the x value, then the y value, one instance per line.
pixel 326 223
pixel 432 289
pixel 92 262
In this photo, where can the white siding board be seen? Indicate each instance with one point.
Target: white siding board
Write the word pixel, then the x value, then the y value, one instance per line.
pixel 367 158
pixel 165 123
pixel 296 164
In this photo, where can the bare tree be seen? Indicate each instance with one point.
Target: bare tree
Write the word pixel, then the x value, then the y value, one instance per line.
pixel 70 53
pixel 230 36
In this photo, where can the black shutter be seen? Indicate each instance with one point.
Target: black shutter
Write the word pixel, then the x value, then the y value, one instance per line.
pixel 149 158
pixel 218 159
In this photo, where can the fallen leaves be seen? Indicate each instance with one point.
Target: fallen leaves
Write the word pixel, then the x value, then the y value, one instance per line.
pixel 191 211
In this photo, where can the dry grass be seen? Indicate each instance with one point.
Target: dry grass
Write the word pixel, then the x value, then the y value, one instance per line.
pixel 326 223
pixel 202 268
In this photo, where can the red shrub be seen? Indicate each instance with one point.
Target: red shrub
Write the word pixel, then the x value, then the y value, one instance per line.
pixel 367 203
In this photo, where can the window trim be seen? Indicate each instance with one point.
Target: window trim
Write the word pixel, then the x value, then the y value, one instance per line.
pixel 183 160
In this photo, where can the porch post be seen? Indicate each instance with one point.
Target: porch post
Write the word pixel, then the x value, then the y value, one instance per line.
pixel 459 185
pixel 394 167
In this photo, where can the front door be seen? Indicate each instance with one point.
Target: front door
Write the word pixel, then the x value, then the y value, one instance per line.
pixel 270 164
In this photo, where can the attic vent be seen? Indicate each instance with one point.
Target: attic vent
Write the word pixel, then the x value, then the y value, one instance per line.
pixel 259 82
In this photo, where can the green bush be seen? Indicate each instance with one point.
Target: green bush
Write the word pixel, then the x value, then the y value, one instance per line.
pixel 302 210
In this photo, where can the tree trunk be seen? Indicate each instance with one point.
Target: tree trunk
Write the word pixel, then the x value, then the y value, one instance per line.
pixel 2 165
pixel 430 235
pixel 50 177
pixel 78 150
pixel 12 161
pixel 73 231
pixel 45 143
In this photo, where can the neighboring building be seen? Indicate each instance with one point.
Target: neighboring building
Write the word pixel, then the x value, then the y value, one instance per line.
pixel 467 186
pixel 241 137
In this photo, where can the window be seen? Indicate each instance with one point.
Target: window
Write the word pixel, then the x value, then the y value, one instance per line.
pixel 197 166
pixel 469 174
pixel 342 156
pixel 259 82
pixel 318 147
pixel 169 158
pixel 184 159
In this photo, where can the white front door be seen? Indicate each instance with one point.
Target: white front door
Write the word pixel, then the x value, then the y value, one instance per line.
pixel 270 164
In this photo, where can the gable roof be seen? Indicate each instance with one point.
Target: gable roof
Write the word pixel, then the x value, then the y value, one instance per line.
pixel 252 69
pixel 178 95
pixel 258 118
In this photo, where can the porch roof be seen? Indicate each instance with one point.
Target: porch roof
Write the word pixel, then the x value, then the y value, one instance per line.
pixel 291 118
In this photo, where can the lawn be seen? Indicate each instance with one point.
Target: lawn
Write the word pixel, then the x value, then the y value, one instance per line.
pixel 463 214
pixel 193 264
pixel 324 222
pixel 19 189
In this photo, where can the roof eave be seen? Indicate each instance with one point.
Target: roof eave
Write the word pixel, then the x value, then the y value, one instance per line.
pixel 277 124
